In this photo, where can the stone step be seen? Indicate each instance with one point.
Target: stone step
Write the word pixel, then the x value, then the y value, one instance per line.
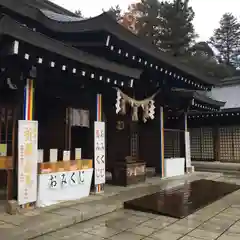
pixel 219 167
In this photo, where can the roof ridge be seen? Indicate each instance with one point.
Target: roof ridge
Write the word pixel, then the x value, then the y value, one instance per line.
pixel 50 6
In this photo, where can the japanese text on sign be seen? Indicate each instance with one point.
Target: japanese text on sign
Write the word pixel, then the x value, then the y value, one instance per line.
pixel 27 164
pixel 63 186
pixel 66 179
pixel 99 152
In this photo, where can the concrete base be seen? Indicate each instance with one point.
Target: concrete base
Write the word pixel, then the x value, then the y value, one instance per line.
pixel 229 168
pixel 190 169
pixel 12 207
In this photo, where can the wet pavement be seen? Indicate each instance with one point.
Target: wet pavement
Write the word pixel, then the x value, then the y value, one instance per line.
pixel 183 200
pixel 218 221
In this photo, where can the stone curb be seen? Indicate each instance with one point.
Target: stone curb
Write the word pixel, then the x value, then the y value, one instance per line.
pixel 220 167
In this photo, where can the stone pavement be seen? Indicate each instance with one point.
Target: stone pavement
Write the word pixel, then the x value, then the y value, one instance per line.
pixel 217 221
pixel 75 215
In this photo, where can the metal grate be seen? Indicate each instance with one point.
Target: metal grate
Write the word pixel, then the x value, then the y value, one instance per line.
pixel 229 144
pixel 134 145
pixel 202 144
pixel 168 146
pixel 195 141
pixel 176 144
pixel 236 144
pixel 226 144
pixel 171 144
pixel 207 144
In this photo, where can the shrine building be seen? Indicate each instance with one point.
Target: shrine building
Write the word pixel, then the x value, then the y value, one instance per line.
pixel 88 96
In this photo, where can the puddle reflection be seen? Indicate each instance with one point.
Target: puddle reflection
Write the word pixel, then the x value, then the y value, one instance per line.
pixel 183 200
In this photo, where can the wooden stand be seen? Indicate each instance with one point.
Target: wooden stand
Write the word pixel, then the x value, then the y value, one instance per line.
pixel 6 165
pixel 128 173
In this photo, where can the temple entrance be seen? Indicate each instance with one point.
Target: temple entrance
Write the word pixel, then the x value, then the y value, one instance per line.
pixel 80 139
pixel 80 132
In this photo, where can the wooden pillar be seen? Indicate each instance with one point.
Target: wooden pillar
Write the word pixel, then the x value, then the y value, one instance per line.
pixel 185 121
pixel 185 141
pixel 162 160
pixel 14 184
pixel 68 129
pixel 183 129
pixel 216 143
pixel 10 172
pixel 187 145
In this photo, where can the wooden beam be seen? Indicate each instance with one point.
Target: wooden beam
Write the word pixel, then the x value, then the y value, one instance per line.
pixel 86 44
pixel 216 143
pixel 162 157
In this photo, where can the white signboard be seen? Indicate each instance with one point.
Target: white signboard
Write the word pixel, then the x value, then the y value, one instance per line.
pixel 53 155
pixel 40 155
pixel 27 161
pixel 99 153
pixel 66 155
pixel 187 149
pixel 63 186
pixel 174 167
pixel 78 153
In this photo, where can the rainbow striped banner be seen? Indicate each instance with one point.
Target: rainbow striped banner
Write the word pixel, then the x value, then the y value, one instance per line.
pixel 28 105
pixel 28 100
pixel 99 108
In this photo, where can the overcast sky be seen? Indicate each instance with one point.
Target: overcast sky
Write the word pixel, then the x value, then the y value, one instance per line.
pixel 208 12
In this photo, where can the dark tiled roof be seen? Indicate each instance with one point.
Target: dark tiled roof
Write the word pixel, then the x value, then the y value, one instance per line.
pixel 17 31
pixel 48 5
pixel 199 96
pixel 229 81
pixel 227 93
pixel 60 17
pixel 106 23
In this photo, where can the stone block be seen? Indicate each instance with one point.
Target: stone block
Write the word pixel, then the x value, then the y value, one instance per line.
pixel 12 207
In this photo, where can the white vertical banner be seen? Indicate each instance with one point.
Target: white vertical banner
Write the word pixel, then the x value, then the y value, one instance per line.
pixel 187 149
pixel 78 153
pixel 66 155
pixel 99 153
pixel 40 155
pixel 53 157
pixel 27 161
